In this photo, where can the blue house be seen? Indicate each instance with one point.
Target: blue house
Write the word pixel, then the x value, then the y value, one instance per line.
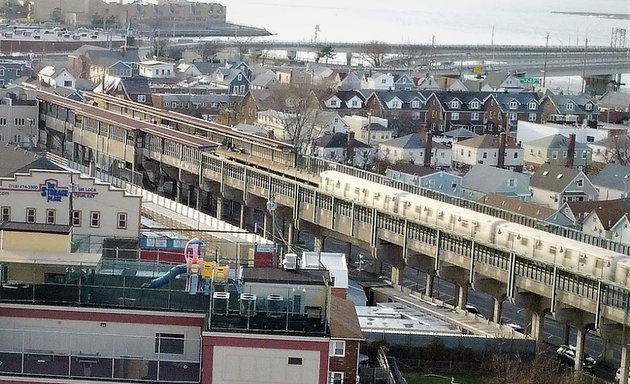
pixel 427 178
pixel 13 69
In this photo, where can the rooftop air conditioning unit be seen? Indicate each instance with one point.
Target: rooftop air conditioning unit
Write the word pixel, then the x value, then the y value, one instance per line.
pixel 220 303
pixel 248 304
pixel 274 305
pixel 290 262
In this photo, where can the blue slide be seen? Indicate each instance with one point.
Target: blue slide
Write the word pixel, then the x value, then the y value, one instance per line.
pixel 167 277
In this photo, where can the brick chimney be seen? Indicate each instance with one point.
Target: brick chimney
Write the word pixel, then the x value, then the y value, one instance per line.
pixel 350 148
pixel 502 144
pixel 571 151
pixel 428 148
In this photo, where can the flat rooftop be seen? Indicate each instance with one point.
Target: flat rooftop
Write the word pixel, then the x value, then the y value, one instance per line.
pixel 400 318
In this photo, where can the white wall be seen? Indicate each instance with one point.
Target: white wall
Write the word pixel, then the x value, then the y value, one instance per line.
pixel 235 365
pixel 528 131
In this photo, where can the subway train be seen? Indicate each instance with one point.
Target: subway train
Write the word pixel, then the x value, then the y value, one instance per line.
pixel 528 242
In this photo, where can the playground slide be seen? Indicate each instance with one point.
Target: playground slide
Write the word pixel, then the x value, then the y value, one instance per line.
pixel 167 277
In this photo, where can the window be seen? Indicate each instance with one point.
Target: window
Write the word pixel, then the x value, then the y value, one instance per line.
pixel 532 105
pixel 485 155
pixel 455 104
pixel 516 155
pixel 142 98
pixel 580 183
pixel 3 121
pixel 588 107
pixel 243 88
pixel 166 104
pixel 31 215
pixel 169 343
pixel 511 183
pixel 415 104
pixel 475 104
pixel 76 218
pixel 513 116
pixel 95 219
pixel 333 102
pixel 554 154
pixel 532 117
pixel 513 104
pixel 335 378
pixel 122 220
pixel 355 103
pixel 50 216
pixel 67 83
pixel 454 115
pixel 584 155
pixel 294 361
pixel 337 348
pixel 6 214
pixel 569 106
pixel 1 71
pixel 474 116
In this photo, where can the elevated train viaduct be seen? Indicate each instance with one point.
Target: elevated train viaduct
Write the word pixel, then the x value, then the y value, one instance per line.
pixel 215 164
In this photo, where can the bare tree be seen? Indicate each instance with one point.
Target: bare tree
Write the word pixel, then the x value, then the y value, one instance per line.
pixel 299 112
pixel 375 52
pixel 619 151
pixel 209 50
pixel 510 370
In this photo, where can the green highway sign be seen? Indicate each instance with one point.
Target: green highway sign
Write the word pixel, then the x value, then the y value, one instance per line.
pixel 529 80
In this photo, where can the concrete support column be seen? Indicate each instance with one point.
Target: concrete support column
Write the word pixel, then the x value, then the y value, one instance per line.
pixel 537 323
pixel 318 242
pixel 266 225
pixel 397 275
pixel 462 295
pixel 198 199
pixel 625 361
pixel 160 186
pixel 177 184
pixel 497 308
pixel 378 266
pixel 242 223
pixel 428 290
pixel 348 252
pixel 191 193
pixel 291 232
pixel 579 348
pixel 348 58
pixel 460 277
pixel 566 334
pixel 220 202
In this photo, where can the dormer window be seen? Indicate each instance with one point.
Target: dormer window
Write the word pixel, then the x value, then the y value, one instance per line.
pixel 588 106
pixel 570 106
pixel 475 104
pixel 395 104
pixel 415 104
pixel 455 104
pixel 532 105
pixel 513 104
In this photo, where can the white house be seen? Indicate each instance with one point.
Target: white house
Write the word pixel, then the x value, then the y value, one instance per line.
pixel 93 208
pixel 56 77
pixel 378 81
pixel 342 148
pixel 412 148
pixel 155 69
pixel 485 149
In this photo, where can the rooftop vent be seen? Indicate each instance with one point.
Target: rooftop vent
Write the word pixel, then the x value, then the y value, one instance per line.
pixel 248 304
pixel 220 303
pixel 290 262
pixel 274 305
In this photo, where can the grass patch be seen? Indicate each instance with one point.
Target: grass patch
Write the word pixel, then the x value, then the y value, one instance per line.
pixel 418 378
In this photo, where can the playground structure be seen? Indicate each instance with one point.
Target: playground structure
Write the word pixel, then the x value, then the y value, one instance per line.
pixel 199 273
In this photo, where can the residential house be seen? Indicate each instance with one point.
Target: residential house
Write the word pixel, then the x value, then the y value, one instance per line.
pixel 78 63
pixel 500 81
pixel 605 219
pixel 346 102
pixel 450 84
pixel 413 148
pixel 484 179
pixel 477 85
pixel 255 101
pixel 294 76
pixel 613 149
pixel 486 149
pixel 528 131
pixel 505 110
pixel 370 130
pixel 555 150
pixel 403 82
pixel 528 209
pixel 345 341
pixel 19 114
pixel 458 134
pixel 155 69
pixel 342 148
pixel 405 110
pixel 614 107
pixel 197 68
pixel 570 109
pixel 612 182
pixel 135 89
pixel 447 111
pixel 377 81
pixel 11 70
pixel 234 81
pixel 428 83
pixel 427 178
pixel 554 185
pixel 264 80
pixel 244 68
pixel 101 63
pixel 54 78
pixel 205 106
pixel 350 81
pixel 308 124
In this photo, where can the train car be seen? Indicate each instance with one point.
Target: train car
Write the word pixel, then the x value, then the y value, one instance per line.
pixel 525 241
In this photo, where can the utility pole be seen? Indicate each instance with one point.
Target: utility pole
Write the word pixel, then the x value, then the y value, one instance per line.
pixel 545 65
pixel 584 65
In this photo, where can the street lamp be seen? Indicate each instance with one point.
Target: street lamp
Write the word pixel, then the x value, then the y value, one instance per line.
pixel 271 207
pixel 545 65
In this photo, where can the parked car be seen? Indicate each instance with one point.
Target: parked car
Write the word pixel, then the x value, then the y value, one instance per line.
pixel 618 376
pixel 566 354
pixel 473 310
pixel 515 327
